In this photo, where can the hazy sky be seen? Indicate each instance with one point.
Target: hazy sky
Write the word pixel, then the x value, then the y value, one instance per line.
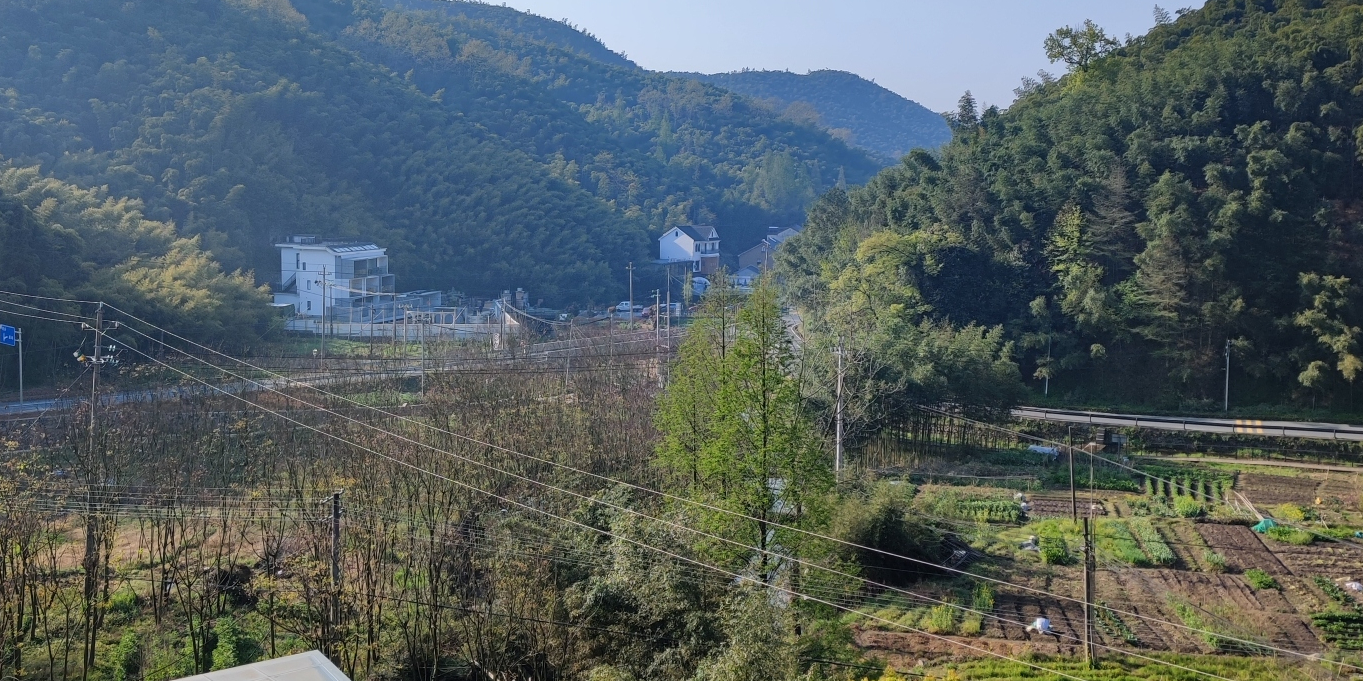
pixel 930 52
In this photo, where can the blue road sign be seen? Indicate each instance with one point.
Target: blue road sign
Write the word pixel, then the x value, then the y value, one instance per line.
pixel 6 334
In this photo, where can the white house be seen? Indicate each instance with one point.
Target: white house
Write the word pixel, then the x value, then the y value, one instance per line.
pixel 695 244
pixel 343 281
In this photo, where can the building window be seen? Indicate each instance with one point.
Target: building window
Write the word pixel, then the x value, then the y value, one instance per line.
pixel 305 267
pixel 296 258
pixel 309 306
pixel 309 287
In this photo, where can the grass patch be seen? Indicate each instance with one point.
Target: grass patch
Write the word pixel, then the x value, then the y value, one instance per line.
pixel 1290 535
pixel 1192 617
pixel 1114 538
pixel 1260 580
pixel 1215 561
pixel 969 503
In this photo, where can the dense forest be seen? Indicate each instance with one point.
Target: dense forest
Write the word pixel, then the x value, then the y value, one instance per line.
pixel 854 109
pixel 486 149
pixel 1117 229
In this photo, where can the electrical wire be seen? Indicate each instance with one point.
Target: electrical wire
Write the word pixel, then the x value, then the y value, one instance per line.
pixel 737 576
pixel 630 485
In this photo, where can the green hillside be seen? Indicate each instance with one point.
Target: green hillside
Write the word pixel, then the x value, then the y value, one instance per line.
pixel 1120 224
pixel 483 151
pixel 853 108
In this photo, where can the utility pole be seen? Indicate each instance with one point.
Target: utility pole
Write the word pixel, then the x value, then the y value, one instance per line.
pixel 336 540
pixel 335 571
pixel 324 310
pixel 94 473
pixel 630 315
pixel 658 335
pixel 1074 497
pixel 1088 591
pixel 1225 404
pixel 424 319
pixel 837 452
pixel 19 340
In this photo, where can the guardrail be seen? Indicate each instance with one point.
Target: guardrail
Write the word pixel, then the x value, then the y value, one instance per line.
pixel 1321 431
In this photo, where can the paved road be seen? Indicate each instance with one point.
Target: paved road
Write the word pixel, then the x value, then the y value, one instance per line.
pixel 1196 424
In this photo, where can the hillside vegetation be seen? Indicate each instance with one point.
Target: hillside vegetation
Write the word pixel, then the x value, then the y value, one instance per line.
pixel 853 108
pixel 1119 225
pixel 485 148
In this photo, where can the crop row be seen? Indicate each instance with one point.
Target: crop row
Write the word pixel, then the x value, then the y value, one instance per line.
pixel 1115 538
pixel 1152 542
pixel 1335 593
pixel 1343 629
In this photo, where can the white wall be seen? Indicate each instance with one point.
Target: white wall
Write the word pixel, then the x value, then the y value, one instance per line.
pixel 676 245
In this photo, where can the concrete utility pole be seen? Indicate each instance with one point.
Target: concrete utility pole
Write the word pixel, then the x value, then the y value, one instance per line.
pixel 1074 497
pixel 1089 565
pixel 1225 404
pixel 336 540
pixel 19 340
pixel 630 314
pixel 324 310
pixel 837 453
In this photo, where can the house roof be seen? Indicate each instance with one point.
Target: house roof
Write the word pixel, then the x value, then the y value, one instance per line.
pixel 309 666
pixel 697 232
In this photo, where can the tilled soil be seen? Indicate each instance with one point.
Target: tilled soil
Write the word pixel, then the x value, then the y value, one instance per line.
pixel 1271 490
pixel 1327 559
pixel 1348 489
pixel 1241 548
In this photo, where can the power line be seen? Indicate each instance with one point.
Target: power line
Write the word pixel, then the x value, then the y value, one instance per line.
pixel 741 578
pixel 806 532
pixel 606 478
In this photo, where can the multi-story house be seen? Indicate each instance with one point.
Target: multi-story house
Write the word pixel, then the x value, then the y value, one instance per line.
pixel 694 244
pixel 342 281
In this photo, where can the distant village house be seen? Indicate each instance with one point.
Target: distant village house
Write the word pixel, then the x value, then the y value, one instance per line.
pixel 697 245
pixel 345 281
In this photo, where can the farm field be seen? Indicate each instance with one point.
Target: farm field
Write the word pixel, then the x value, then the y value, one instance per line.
pixel 1180 570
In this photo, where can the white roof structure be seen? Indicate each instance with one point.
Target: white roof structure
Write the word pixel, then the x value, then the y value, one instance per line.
pixel 309 666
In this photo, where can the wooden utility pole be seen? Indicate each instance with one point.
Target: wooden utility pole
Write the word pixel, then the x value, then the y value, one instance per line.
pixel 630 314
pixel 336 540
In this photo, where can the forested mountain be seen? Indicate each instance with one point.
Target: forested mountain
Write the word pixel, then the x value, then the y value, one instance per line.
pixel 1120 225
pixel 852 108
pixel 486 149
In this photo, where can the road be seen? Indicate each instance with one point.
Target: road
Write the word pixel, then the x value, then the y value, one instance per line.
pixel 1197 424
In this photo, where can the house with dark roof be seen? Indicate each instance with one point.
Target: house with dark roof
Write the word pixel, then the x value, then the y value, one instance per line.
pixel 697 245
pixel 761 256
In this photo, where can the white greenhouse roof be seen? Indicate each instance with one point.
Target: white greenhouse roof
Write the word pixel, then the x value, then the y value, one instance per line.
pixel 309 666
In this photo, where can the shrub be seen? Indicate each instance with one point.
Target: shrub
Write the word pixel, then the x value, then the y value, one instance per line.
pixel 1152 542
pixel 971 625
pixel 127 656
pixel 1290 535
pixel 124 603
pixel 940 619
pixel 1260 580
pixel 1215 561
pixel 1292 513
pixel 1189 507
pixel 1054 551
pixel 983 598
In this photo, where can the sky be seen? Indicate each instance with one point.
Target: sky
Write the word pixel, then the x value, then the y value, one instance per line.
pixel 930 52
